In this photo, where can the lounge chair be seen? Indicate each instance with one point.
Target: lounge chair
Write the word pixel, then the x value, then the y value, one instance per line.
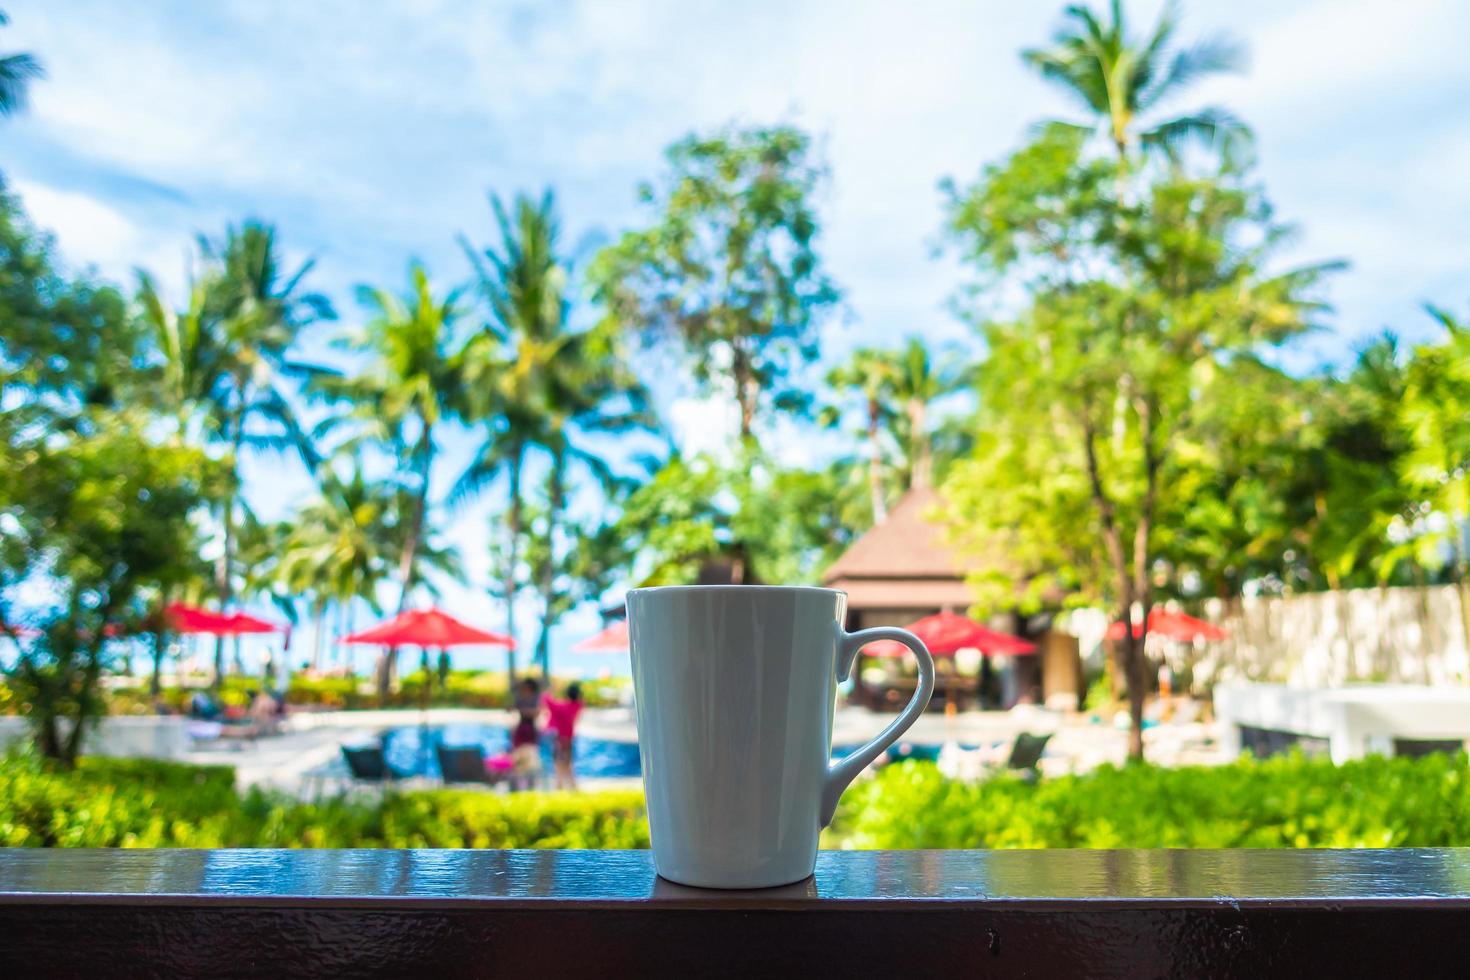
pixel 466 764
pixel 1025 756
pixel 237 734
pixel 1026 753
pixel 368 764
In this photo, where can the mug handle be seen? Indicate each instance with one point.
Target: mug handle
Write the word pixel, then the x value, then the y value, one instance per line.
pixel 844 772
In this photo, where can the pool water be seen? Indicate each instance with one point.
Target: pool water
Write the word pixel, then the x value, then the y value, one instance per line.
pixel 410 751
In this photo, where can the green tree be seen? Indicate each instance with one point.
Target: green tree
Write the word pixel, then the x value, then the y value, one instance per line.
pixel 70 357
pixel 101 517
pixel 573 560
pixel 400 400
pixel 1435 416
pixel 523 281
pixel 1090 397
pixel 866 374
pixel 67 343
pixel 1125 82
pixel 728 269
pixel 780 524
pixel 17 71
pixel 227 366
pixel 538 384
pixel 1347 491
pixel 191 360
pixel 897 389
pixel 340 546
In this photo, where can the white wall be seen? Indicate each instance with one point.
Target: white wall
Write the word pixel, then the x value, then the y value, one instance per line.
pixel 1320 639
pixel 162 737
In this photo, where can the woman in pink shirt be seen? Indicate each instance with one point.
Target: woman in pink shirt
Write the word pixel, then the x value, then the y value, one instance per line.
pixel 561 721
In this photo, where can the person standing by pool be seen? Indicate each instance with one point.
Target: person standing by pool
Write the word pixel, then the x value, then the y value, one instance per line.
pixel 525 740
pixel 561 720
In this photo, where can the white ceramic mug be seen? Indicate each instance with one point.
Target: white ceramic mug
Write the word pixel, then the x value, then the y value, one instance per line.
pixel 736 687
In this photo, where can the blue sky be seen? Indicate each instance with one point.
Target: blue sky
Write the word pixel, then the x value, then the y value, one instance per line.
pixel 372 138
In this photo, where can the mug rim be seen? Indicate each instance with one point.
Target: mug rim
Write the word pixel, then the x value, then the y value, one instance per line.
pixel 739 589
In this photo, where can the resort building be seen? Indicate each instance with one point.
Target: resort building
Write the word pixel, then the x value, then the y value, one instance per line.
pixel 904 569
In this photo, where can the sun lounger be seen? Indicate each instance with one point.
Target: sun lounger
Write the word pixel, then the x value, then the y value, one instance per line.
pixel 467 764
pixel 217 732
pixel 971 764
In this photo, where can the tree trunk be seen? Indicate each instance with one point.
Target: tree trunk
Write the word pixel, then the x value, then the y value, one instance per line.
pixel 223 581
pixel 155 683
pixel 746 393
pixel 1462 576
pixel 407 561
pixel 383 674
pixel 1126 583
pixel 512 549
pixel 1133 647
pixel 318 639
pixel 87 705
pixel 875 462
pixel 1147 411
pixel 921 464
pixel 222 585
pixel 48 737
pixel 556 493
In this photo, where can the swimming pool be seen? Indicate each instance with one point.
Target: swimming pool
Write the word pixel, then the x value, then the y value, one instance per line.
pixel 410 751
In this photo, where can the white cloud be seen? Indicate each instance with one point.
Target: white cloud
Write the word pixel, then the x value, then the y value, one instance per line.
pixel 705 425
pixel 92 233
pixel 373 138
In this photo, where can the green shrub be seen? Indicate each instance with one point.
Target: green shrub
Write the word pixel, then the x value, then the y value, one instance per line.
pixel 115 803
pixel 1287 801
pixel 1283 802
pixel 144 803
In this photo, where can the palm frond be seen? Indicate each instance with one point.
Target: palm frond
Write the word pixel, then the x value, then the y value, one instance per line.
pixel 1210 128
pixel 17 71
pixel 1213 56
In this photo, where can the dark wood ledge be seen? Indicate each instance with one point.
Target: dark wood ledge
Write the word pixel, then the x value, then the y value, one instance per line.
pixel 604 913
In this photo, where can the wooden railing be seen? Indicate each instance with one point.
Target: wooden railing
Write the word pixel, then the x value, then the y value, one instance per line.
pixel 905 914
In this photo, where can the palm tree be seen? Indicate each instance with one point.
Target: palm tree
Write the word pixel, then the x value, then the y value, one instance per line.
pixel 589 389
pixel 226 363
pixel 17 71
pixel 191 368
pixel 916 380
pixel 897 387
pixel 537 383
pixel 1435 415
pixel 866 372
pixel 399 400
pixel 342 543
pixel 1125 81
pixel 524 286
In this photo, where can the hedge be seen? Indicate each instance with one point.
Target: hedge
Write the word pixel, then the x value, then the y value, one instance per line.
pixel 1287 801
pixel 144 803
pixel 1283 802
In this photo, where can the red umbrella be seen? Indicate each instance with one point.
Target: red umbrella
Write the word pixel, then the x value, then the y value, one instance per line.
pixel 245 623
pixel 427 628
pixel 193 619
pixel 613 639
pixel 946 632
pixel 1174 626
pixel 185 618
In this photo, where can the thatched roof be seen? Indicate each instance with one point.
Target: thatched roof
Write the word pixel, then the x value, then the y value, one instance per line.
pixel 905 562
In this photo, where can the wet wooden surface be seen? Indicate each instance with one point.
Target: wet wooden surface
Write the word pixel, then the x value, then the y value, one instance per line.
pixel 605 913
